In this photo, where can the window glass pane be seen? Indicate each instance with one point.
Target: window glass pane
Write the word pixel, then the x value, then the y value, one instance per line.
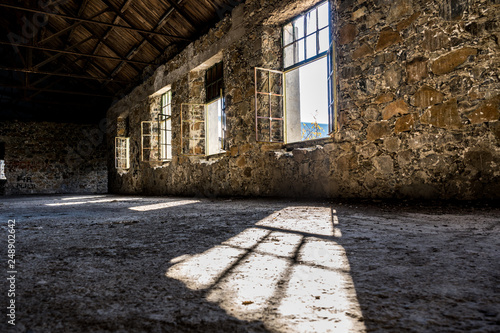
pixel 287 34
pixel 300 51
pixel 324 40
pixel 298 26
pixel 311 46
pixel 323 16
pixel 169 151
pixel 311 22
pixel 288 57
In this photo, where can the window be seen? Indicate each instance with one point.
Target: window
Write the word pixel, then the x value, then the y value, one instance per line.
pixel 122 153
pixel 299 103
pixel 150 151
pixel 215 120
pixel 214 81
pixel 165 126
pixel 307 37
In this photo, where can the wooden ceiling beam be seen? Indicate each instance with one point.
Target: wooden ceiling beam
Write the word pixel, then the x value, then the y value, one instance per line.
pixel 55 56
pixel 125 6
pixel 135 49
pixel 69 92
pixel 89 21
pixel 71 27
pixel 183 13
pixel 75 76
pixel 74 53
pixel 124 19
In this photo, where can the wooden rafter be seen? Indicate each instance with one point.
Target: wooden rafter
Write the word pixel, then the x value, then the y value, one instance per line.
pixel 89 21
pixel 136 48
pixel 76 76
pixel 73 53
pixel 69 92
pixel 70 28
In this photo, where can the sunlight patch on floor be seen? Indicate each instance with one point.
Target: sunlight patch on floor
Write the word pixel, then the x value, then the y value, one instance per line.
pixel 288 272
pixel 74 203
pixel 162 205
pixel 201 271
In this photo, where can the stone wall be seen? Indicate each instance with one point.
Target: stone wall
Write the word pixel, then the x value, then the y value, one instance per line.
pixel 46 158
pixel 419 99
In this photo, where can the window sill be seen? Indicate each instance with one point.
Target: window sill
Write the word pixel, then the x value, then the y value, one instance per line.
pixel 307 144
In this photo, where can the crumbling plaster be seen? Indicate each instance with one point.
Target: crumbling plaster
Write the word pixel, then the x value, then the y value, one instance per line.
pixel 418 104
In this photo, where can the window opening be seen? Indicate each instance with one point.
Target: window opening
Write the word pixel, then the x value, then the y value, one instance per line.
pixel 165 127
pixel 215 126
pixel 307 102
pixel 214 82
pixel 122 153
pixel 299 103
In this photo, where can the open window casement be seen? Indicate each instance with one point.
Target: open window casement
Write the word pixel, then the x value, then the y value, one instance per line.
pixel 193 139
pixel 150 139
pixel 332 74
pixel 269 105
pixel 122 153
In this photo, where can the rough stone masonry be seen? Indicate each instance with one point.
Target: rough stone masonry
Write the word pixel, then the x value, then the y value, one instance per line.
pixel 419 99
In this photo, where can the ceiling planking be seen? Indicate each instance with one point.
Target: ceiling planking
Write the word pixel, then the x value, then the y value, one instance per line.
pixel 67 60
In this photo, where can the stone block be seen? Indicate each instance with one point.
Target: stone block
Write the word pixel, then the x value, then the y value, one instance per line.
pixel 347 33
pixel 399 9
pixel 487 111
pixel 427 96
pixel 405 123
pixel 241 161
pixel 358 13
pixel 394 108
pixel 435 40
pixel 383 164
pixel 393 76
pixel 416 70
pixel 452 10
pixel 443 115
pixel 450 61
pixel 362 51
pixel 387 38
pixel 495 128
pixel 377 130
pixel 234 151
pixel 402 25
pixel 373 19
pixel 392 144
pixel 384 98
pixel 368 150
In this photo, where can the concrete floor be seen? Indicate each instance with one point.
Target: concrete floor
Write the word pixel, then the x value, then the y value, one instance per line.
pixel 140 264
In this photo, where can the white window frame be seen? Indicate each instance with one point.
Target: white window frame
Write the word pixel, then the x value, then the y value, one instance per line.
pixel 165 126
pixel 122 153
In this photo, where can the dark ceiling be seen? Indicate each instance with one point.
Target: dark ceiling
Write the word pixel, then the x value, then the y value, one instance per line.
pixel 67 60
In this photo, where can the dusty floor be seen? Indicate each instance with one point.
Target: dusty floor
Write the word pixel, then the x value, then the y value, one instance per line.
pixel 132 264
